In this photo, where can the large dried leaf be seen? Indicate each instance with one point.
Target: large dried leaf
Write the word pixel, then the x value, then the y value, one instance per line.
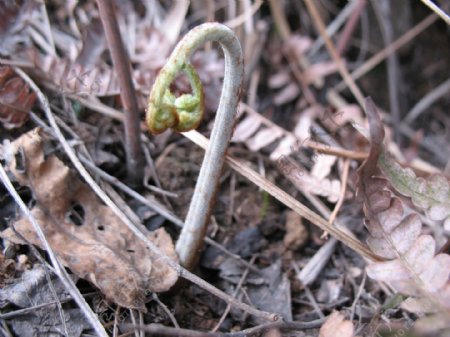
pixel 412 266
pixel 86 235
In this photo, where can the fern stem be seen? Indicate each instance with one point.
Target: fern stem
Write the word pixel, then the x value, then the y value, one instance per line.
pixel 185 112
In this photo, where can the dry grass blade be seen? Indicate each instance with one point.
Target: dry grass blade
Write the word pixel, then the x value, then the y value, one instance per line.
pixel 384 53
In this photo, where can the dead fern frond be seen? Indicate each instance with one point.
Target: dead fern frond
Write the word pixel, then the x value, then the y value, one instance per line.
pixel 431 194
pixel 412 266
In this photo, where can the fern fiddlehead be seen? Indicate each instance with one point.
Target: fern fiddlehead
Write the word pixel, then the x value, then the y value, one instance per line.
pixel 185 112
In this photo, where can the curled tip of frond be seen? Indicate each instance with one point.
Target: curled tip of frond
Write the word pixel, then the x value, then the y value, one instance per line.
pixel 183 113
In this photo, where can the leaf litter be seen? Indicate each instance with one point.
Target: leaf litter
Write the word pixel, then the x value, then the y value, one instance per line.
pixel 245 226
pixel 84 233
pixel 35 289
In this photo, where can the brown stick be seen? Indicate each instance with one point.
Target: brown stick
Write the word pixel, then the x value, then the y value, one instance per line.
pixel 123 68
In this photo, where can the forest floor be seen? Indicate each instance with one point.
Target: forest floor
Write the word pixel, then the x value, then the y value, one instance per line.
pixel 302 252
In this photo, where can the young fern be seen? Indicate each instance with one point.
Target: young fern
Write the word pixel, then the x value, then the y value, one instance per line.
pixel 184 113
pixel 181 113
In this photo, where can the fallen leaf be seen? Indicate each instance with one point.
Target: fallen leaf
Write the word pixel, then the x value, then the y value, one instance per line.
pixel 86 235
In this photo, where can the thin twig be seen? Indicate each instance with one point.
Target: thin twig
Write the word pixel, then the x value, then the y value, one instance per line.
pixel 383 14
pixel 166 310
pixel 116 321
pixel 350 26
pixel 339 203
pixel 26 311
pixel 127 93
pixel 313 301
pixel 357 296
pixel 277 10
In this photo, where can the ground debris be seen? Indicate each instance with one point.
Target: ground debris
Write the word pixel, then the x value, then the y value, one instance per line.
pixel 34 289
pixel 85 234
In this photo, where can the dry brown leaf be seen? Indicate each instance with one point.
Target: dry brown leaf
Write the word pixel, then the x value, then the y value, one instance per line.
pixel 279 79
pixel 255 140
pixel 16 99
pixel 337 326
pixel 298 44
pixel 303 127
pixel 75 78
pixel 300 177
pixel 285 147
pixel 85 234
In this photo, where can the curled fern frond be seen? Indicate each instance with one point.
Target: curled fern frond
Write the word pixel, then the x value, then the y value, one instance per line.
pixel 181 113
